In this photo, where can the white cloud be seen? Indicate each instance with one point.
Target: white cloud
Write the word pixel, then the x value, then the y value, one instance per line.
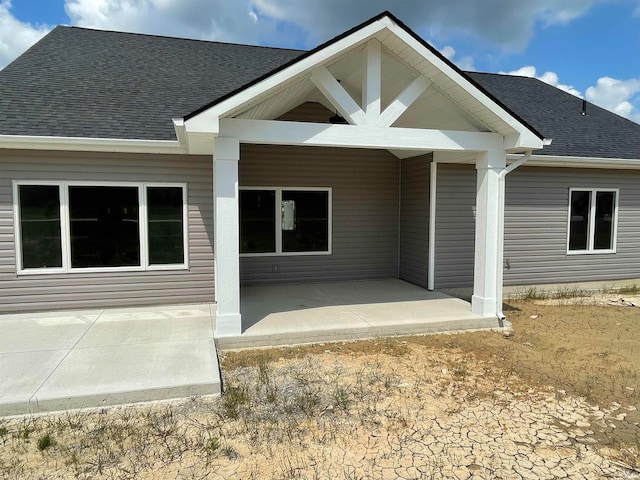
pixel 505 24
pixel 618 96
pixel 233 21
pixel 547 77
pixel 16 36
pixel 464 63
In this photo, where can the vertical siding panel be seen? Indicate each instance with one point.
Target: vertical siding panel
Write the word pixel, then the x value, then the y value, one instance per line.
pixel 414 219
pixel 365 211
pixel 537 204
pixel 89 290
pixel 455 225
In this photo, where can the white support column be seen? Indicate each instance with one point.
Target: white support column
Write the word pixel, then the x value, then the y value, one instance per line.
pixel 485 277
pixel 226 236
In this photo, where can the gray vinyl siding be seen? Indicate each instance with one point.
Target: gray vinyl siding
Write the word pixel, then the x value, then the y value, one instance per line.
pixel 455 225
pixel 308 112
pixel 414 219
pixel 365 193
pixel 92 290
pixel 536 216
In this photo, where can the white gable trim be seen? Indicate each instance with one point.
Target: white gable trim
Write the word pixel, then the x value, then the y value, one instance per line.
pixel 207 121
pixel 525 138
pixel 204 121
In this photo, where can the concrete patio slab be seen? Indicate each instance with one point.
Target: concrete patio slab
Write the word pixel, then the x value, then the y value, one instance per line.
pixel 43 331
pixel 57 361
pixel 337 311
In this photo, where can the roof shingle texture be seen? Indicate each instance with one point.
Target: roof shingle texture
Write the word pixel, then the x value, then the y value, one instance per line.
pixel 78 82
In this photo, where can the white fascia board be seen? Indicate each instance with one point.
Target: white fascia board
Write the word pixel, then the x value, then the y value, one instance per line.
pixel 579 162
pixel 524 140
pixel 207 121
pixel 274 132
pixel 463 82
pixel 85 144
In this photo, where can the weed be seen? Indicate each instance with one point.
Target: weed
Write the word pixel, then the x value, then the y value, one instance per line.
pixel 341 398
pixel 212 444
pixel 234 400
pixel 45 442
pixel 460 370
pixel 230 452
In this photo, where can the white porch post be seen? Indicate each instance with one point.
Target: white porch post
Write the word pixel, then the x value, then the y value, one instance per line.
pixel 485 277
pixel 226 236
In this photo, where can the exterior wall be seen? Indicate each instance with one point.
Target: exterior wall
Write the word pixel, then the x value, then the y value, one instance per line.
pixel 536 215
pixel 455 226
pixel 414 219
pixel 92 290
pixel 365 211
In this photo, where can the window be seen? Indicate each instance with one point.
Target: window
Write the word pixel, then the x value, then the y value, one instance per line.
pixel 73 226
pixel 593 217
pixel 285 221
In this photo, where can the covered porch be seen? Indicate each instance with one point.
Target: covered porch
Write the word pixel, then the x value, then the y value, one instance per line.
pixel 383 90
pixel 338 311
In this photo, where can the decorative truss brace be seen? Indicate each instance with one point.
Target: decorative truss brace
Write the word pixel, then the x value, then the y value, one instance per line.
pixel 371 93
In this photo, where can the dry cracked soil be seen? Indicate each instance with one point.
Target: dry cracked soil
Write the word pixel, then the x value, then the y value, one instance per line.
pixel 558 397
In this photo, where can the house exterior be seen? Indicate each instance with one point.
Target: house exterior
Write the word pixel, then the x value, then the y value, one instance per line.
pixel 145 170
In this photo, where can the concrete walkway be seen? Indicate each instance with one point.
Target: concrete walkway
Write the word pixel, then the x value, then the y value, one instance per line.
pixel 61 360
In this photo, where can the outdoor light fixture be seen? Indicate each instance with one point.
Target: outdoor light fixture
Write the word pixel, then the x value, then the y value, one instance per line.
pixel 338 119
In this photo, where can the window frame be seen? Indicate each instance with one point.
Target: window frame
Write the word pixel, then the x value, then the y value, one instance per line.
pixel 65 227
pixel 278 221
pixel 592 220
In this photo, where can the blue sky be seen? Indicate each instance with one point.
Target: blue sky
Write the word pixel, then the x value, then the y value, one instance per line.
pixel 588 47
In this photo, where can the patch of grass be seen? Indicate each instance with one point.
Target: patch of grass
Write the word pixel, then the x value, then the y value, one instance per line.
pixel 45 441
pixel 212 444
pixel 535 293
pixel 628 290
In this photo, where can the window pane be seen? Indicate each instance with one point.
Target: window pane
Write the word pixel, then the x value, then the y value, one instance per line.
pixel 308 230
pixel 166 233
pixel 105 229
pixel 605 204
pixel 40 226
pixel 257 221
pixel 579 224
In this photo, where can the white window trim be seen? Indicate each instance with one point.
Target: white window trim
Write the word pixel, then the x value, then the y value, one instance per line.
pixel 65 224
pixel 278 221
pixel 592 220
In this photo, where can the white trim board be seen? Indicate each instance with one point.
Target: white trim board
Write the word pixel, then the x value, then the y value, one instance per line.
pixel 87 144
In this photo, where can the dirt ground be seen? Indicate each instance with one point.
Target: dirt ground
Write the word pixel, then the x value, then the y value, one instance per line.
pixel 556 398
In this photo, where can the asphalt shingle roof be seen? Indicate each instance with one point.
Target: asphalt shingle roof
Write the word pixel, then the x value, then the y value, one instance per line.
pixel 78 82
